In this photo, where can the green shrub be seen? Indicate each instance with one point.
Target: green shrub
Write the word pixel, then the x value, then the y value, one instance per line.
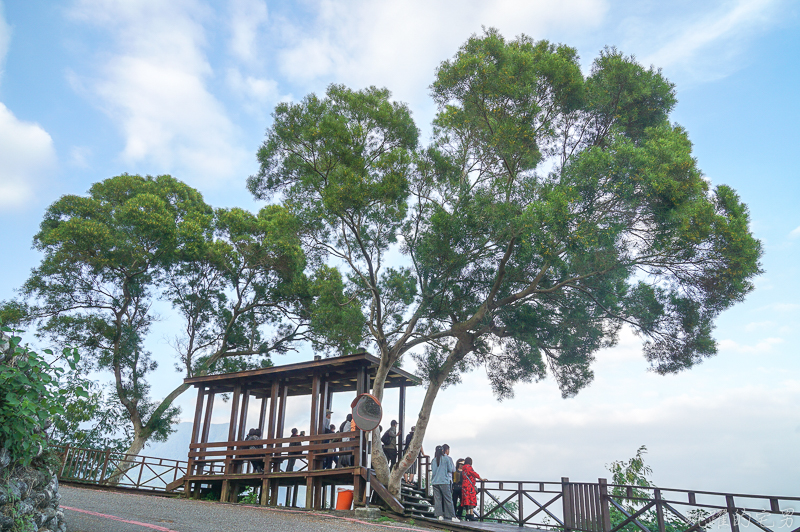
pixel 30 396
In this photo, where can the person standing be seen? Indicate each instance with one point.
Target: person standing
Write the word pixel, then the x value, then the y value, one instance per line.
pixel 389 441
pixel 442 483
pixel 345 460
pixel 345 426
pixel 258 464
pixel 292 458
pixel 469 492
pixel 412 469
pixel 327 462
pixel 457 486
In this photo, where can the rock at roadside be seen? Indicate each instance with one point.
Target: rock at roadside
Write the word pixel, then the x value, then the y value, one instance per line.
pixel 368 513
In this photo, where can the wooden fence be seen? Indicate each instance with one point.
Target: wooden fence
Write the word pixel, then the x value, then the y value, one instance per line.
pixel 109 468
pixel 601 507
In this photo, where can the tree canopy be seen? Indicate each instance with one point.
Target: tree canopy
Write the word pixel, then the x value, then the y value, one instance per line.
pixel 236 279
pixel 550 209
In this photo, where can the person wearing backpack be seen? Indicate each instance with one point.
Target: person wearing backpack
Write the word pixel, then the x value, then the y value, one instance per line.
pixel 389 441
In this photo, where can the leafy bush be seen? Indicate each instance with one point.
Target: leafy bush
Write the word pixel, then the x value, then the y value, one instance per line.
pixel 30 396
pixel 636 473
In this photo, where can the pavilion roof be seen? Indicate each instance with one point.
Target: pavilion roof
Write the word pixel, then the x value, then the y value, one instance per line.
pixel 339 372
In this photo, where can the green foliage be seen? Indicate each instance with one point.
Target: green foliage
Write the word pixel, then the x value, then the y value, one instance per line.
pixel 30 396
pixel 634 472
pixel 248 496
pixel 90 421
pixel 19 522
pixel 504 513
pixel 550 209
pixel 236 279
pixel 104 255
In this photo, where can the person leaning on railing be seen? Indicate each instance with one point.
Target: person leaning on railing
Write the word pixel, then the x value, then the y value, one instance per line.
pixel 469 493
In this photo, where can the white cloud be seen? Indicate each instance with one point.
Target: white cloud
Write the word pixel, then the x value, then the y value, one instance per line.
pixel 795 232
pixel 153 83
pixel 79 156
pixel 26 150
pixel 399 44
pixel 781 307
pixel 759 326
pixel 247 18
pixel 764 346
pixel 259 90
pixel 709 45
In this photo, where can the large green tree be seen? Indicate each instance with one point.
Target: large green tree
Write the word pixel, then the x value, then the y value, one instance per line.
pixel 236 280
pixel 551 209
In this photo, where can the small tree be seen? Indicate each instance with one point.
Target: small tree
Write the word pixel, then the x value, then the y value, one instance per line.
pixel 551 209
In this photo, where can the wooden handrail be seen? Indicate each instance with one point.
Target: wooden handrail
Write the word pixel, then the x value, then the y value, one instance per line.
pixel 335 436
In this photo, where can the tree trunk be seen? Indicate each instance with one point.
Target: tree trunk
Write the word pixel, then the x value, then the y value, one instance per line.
pixel 129 460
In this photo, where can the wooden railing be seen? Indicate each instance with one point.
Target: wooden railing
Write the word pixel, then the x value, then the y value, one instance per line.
pixel 601 507
pixel 109 468
pixel 236 457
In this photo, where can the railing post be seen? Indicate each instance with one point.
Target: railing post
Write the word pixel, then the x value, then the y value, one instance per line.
pixel 566 500
pixel 605 506
pixel 480 512
pixel 732 515
pixel 659 510
pixel 519 504
pixel 105 467
pixel 64 463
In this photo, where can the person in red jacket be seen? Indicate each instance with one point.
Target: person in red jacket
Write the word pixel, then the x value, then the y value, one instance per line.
pixel 469 492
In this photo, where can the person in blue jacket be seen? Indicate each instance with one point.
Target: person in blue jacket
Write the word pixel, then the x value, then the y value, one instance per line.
pixel 441 481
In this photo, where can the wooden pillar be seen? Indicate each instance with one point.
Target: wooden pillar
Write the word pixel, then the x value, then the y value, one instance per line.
pixel 237 392
pixel 262 415
pixel 279 429
pixel 271 424
pixel 314 406
pixel 198 411
pixel 324 405
pixel 245 403
pixel 401 421
pixel 264 488
pixel 210 394
pixel 207 419
pixel 309 492
pixel 242 432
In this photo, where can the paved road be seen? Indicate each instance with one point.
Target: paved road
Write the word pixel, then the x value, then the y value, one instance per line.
pixel 99 511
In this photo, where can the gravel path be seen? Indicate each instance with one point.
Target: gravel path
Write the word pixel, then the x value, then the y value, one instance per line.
pixel 88 510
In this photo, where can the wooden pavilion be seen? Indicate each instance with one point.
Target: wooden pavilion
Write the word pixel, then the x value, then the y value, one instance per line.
pixel 228 466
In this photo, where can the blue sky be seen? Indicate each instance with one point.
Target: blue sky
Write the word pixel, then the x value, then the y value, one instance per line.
pixel 93 88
